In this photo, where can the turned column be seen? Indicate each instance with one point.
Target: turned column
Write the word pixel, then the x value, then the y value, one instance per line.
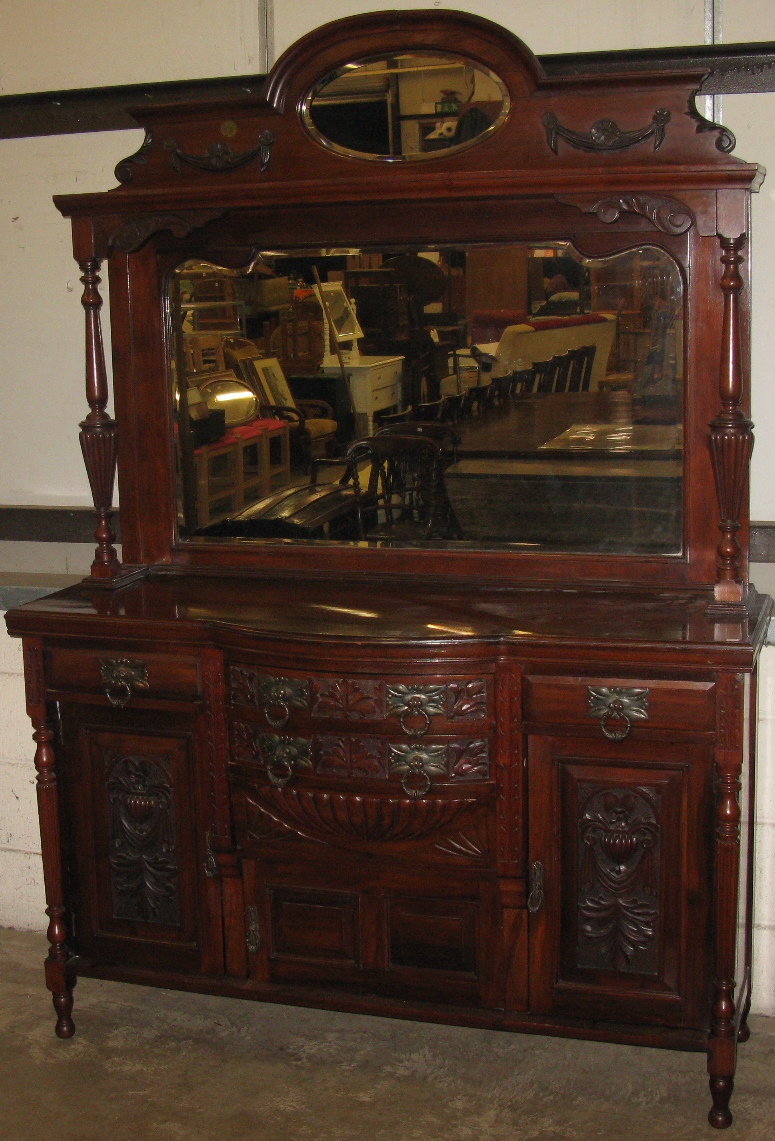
pixel 731 439
pixel 722 1043
pixel 99 436
pixel 59 979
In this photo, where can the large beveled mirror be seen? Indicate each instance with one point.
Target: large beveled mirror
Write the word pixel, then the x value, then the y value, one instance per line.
pixel 508 394
pixel 405 106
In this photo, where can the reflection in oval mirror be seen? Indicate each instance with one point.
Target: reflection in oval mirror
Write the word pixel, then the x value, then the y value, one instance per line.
pixel 236 400
pixel 406 106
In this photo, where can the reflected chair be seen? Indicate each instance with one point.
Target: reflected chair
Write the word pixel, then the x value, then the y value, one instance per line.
pixel 432 410
pixel 543 375
pixel 311 423
pixel 589 361
pixel 399 489
pixel 442 434
pixel 562 364
pixel 382 419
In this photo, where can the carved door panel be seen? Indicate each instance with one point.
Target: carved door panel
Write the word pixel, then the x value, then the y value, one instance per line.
pixel 374 930
pixel 620 887
pixel 136 859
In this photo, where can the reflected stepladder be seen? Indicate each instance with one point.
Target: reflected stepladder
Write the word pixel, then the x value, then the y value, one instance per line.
pixel 559 379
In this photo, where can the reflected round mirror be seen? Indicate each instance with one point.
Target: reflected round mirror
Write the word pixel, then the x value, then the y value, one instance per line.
pixel 233 398
pixel 405 106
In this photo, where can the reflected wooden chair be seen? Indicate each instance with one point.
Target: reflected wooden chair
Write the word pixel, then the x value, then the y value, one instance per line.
pixel 311 424
pixel 543 376
pixel 433 410
pixel 589 362
pixel 383 419
pixel 399 489
pixel 562 364
pixel 442 434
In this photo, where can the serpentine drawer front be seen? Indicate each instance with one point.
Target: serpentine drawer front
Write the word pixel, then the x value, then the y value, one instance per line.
pixel 618 705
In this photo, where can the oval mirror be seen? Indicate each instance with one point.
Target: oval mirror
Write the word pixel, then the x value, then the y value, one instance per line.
pixel 405 106
pixel 234 398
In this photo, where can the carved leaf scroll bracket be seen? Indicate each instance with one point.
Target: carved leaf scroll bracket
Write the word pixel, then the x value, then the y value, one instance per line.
pixel 220 158
pixel 133 232
pixel 605 135
pixel 666 214
pixel 124 170
pixel 725 140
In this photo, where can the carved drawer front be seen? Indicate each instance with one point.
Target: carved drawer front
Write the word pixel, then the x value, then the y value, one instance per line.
pixel 123 677
pixel 409 706
pixel 615 707
pixel 372 763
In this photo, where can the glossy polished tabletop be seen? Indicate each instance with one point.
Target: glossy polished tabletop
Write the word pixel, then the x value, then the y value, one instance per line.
pixel 193 605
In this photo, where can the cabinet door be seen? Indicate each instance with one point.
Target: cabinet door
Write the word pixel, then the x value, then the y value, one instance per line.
pixel 136 857
pixel 619 834
pixel 378 930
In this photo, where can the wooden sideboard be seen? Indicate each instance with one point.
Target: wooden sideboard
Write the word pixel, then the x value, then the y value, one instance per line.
pixel 503 782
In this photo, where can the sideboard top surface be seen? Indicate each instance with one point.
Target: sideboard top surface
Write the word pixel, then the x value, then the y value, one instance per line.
pixel 202 608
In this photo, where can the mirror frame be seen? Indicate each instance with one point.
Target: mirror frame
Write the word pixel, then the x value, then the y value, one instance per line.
pixel 608 162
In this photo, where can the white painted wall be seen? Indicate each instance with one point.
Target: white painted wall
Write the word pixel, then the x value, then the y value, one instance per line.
pixel 44 47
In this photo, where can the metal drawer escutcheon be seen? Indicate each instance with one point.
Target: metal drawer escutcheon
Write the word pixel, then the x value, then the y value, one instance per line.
pixel 616 708
pixel 121 677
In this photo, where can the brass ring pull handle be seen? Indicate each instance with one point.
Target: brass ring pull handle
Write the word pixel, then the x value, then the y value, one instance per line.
pixel 121 677
pixel 415 772
pixel 616 707
pixel 277 722
pixel 279 770
pixel 611 725
pixel 535 900
pixel 415 708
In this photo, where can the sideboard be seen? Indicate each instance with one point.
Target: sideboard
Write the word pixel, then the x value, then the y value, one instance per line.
pixel 496 779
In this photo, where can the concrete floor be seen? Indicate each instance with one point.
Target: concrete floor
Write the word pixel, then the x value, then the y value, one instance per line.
pixel 155 1065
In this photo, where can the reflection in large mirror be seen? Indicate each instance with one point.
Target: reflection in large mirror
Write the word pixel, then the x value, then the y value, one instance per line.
pixel 516 394
pixel 405 106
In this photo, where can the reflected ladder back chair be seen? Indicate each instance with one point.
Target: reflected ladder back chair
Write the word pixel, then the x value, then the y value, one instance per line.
pixel 589 362
pixel 562 365
pixel 543 372
pixel 399 489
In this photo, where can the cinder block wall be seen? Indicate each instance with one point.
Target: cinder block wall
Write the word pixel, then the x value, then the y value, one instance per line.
pixel 22 899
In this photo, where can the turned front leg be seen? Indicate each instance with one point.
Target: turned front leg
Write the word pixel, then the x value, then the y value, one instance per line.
pixel 58 979
pixel 722 1044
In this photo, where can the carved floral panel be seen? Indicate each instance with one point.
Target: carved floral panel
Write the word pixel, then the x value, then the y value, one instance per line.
pixel 619 878
pixel 143 847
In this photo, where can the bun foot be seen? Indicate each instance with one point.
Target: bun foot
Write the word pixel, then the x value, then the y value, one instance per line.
pixel 721 1091
pixel 744 1033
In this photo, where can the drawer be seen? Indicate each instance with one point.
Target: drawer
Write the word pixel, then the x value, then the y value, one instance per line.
pixel 613 704
pixel 412 705
pixel 123 676
pixel 386 396
pixel 385 374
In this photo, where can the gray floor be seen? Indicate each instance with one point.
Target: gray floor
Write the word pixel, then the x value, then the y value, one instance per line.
pixel 164 1066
